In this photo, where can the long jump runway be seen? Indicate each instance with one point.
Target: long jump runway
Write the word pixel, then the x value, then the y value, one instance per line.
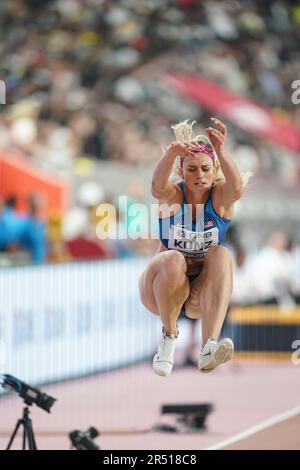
pixel 256 406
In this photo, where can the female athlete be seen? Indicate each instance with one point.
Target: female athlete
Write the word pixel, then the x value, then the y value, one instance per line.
pixel 192 270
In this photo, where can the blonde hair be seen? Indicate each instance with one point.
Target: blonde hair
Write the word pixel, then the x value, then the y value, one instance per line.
pixel 184 133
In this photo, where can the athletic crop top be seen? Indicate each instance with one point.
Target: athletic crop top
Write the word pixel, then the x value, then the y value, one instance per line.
pixel 193 239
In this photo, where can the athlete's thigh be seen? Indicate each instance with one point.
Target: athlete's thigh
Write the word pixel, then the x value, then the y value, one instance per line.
pixel 146 281
pixel 147 277
pixel 192 304
pixel 198 287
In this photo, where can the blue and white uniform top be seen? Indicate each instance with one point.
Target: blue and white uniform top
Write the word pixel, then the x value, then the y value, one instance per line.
pixel 193 238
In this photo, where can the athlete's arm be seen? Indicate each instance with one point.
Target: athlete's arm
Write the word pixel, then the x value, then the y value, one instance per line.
pixel 162 187
pixel 231 190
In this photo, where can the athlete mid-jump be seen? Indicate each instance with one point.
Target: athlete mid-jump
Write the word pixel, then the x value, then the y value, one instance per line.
pixel 192 270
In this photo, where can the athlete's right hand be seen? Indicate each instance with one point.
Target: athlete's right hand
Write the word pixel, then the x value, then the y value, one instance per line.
pixel 179 149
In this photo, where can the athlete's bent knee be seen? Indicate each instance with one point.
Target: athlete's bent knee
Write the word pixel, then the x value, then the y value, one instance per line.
pixel 173 264
pixel 218 258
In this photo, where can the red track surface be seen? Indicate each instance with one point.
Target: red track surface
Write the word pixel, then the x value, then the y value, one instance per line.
pixel 124 403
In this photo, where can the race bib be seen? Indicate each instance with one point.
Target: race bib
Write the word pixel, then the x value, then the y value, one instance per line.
pixel 192 244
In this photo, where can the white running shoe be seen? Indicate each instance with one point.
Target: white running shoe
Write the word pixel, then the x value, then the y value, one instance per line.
pixel 213 354
pixel 164 358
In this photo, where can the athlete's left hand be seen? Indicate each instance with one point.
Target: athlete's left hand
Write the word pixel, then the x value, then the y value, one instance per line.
pixel 217 135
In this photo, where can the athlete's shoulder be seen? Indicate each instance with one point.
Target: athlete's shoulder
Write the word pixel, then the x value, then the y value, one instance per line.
pixel 217 186
pixel 221 209
pixel 172 196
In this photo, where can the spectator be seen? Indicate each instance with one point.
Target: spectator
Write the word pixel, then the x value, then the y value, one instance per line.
pixel 33 236
pixel 10 225
pixel 272 268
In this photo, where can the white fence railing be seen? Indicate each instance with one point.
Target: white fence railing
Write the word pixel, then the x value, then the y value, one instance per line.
pixel 63 321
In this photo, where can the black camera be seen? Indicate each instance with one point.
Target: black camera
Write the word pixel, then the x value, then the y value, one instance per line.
pixel 27 392
pixel 84 440
pixel 30 395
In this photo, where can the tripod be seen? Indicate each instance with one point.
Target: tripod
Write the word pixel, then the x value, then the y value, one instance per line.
pixel 28 436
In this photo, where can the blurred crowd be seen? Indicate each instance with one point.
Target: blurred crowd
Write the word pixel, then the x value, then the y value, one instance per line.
pixel 84 77
pixel 95 228
pixel 269 274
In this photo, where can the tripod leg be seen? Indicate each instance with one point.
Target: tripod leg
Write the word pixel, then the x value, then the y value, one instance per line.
pixel 24 437
pixel 20 421
pixel 30 435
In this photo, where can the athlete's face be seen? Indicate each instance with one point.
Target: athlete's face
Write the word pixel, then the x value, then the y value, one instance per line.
pixel 198 172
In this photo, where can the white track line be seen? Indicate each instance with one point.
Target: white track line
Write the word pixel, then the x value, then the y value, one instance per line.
pixel 259 427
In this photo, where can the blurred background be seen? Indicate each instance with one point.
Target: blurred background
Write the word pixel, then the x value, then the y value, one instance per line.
pixel 92 88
